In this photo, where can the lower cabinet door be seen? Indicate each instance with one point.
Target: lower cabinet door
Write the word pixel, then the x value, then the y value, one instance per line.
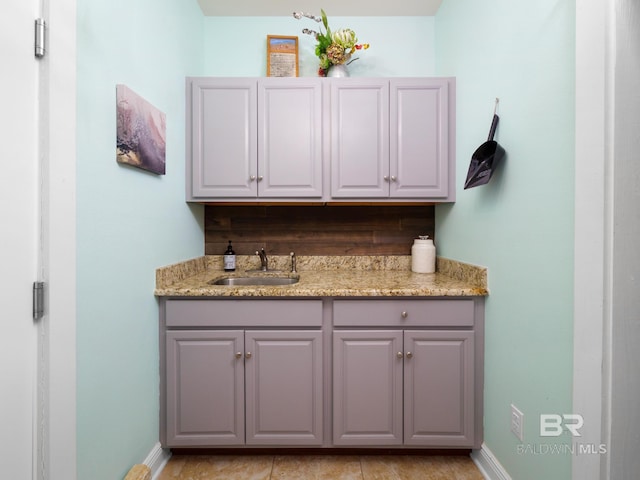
pixel 205 388
pixel 413 388
pixel 284 394
pixel 367 387
pixel 439 388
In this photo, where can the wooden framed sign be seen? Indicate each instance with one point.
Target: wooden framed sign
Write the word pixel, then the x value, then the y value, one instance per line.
pixel 282 56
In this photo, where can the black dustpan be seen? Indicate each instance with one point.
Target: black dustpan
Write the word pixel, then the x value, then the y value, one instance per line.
pixel 485 158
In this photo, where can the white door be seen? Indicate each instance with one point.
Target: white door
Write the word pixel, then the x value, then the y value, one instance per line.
pixel 19 238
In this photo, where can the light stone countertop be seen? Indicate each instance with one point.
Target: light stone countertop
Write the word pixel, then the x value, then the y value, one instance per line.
pixel 331 276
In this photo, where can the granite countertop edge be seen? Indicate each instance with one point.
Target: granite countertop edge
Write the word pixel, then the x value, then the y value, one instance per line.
pixel 324 276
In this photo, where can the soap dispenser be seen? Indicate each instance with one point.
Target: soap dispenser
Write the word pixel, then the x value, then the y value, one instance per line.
pixel 229 259
pixel 423 255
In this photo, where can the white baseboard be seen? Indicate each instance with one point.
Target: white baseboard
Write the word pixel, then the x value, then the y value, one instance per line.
pixel 488 464
pixel 157 459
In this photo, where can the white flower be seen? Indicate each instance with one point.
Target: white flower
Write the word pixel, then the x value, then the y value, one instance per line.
pixel 345 37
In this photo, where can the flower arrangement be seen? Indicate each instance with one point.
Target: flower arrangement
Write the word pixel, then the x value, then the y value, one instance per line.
pixel 333 48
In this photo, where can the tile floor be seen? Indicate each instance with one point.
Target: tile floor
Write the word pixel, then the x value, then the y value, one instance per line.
pixel 320 467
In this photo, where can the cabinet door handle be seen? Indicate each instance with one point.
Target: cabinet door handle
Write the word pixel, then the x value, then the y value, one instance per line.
pixel 252 178
pixel 238 354
pixel 260 177
pixel 399 355
pixel 404 314
pixel 409 355
pixel 393 179
pixel 247 355
pixel 386 178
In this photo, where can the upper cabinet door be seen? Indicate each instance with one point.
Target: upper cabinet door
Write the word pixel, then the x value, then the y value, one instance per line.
pixel 359 138
pixel 290 137
pixel 223 124
pixel 419 138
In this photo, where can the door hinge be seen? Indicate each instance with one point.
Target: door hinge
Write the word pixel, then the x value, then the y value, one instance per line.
pixel 38 300
pixel 40 37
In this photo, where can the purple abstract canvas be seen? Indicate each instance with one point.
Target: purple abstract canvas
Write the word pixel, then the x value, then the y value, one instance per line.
pixel 141 132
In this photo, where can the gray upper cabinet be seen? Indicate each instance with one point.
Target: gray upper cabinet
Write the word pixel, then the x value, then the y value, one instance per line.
pixel 320 140
pixel 254 138
pixel 392 139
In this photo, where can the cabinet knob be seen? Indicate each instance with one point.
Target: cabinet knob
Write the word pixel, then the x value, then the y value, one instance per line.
pixel 404 314
pixel 386 178
pixel 393 179
pixel 399 355
pixel 238 354
pixel 409 355
pixel 260 178
pixel 252 178
pixel 247 355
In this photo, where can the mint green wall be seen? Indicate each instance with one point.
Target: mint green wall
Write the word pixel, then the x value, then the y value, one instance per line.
pixel 129 222
pixel 400 46
pixel 520 225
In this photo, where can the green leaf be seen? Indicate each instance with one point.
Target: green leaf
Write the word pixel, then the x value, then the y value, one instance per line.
pixel 324 19
pixel 323 42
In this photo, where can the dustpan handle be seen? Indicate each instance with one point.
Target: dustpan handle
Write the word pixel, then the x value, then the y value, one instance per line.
pixel 494 122
pixel 494 125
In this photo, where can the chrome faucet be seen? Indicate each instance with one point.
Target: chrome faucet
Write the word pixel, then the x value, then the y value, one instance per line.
pixel 264 261
pixel 293 262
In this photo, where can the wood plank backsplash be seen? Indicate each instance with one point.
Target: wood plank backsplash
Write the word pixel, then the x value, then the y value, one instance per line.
pixel 317 230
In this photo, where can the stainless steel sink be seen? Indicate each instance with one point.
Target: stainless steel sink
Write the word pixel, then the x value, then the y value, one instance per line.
pixel 255 281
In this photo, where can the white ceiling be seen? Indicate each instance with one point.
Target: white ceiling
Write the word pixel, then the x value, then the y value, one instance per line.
pixel 335 8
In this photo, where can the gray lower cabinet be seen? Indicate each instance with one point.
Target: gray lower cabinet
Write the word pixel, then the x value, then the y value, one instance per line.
pixel 404 387
pixel 226 387
pixel 397 373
